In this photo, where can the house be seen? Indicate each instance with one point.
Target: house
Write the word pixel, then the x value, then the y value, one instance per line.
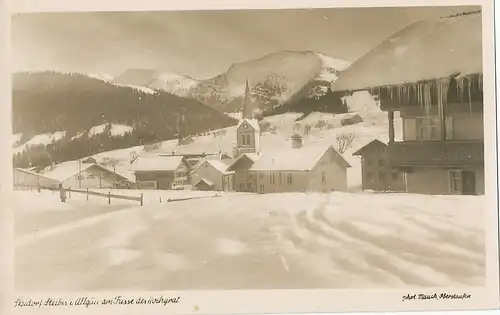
pixel 376 172
pixel 439 98
pixel 77 175
pixel 212 174
pixel 28 179
pixel 161 172
pixel 300 168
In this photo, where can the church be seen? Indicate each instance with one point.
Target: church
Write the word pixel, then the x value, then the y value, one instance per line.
pixel 299 168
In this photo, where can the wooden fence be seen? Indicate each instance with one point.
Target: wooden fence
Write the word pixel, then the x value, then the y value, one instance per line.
pixel 108 195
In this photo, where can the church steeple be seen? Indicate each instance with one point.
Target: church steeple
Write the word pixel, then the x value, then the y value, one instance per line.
pixel 247 103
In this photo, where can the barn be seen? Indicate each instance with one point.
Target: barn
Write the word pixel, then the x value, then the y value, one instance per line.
pixel 161 172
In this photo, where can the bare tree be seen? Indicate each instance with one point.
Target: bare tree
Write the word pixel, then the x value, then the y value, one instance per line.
pixel 320 124
pixel 344 141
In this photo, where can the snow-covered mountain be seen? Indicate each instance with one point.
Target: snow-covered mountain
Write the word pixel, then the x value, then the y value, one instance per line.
pixel 154 80
pixel 273 79
pixel 173 83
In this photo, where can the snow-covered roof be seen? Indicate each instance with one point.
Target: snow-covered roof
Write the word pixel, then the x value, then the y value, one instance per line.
pixel 294 159
pixel 252 122
pixel 206 181
pixel 253 157
pixel 426 50
pixel 157 163
pixel 63 171
pixel 30 172
pixel 219 165
pixel 372 143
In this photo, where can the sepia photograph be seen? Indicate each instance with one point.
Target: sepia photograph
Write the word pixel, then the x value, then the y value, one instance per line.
pixel 341 148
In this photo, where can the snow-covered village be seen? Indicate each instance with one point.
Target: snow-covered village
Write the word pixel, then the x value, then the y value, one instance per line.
pixel 290 168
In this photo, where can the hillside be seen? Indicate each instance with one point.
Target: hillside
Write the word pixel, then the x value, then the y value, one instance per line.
pixel 374 126
pixel 70 105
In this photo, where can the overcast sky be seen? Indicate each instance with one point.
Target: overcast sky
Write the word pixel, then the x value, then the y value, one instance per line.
pixel 200 44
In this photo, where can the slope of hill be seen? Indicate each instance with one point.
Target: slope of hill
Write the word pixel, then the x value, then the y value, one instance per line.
pixel 374 126
pixel 273 79
pixel 48 102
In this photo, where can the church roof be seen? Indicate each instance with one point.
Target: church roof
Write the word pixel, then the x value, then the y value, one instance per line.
pixel 252 122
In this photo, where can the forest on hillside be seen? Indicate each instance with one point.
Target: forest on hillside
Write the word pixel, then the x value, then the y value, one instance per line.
pixel 46 102
pixel 330 102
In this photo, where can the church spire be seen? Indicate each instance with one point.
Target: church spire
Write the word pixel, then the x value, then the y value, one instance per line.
pixel 247 103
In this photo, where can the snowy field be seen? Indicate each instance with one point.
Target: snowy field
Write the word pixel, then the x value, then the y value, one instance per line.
pixel 247 241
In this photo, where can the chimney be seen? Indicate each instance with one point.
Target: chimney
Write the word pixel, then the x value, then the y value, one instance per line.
pixel 296 141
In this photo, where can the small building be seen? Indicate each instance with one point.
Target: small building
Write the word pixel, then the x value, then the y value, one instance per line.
pixel 161 172
pixel 28 179
pixel 351 119
pixel 376 172
pixel 212 174
pixel 77 175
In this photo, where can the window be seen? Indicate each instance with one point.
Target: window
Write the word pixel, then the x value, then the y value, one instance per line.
pixel 261 175
pixel 455 181
pixel 381 162
pixel 261 188
pixel 281 179
pixel 243 139
pixel 289 179
pixel 271 178
pixel 248 140
pixel 429 128
pixel 323 177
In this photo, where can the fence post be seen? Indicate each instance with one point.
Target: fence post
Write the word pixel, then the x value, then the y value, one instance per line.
pixel 87 194
pixel 69 192
pixel 109 197
pixel 160 199
pixel 142 200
